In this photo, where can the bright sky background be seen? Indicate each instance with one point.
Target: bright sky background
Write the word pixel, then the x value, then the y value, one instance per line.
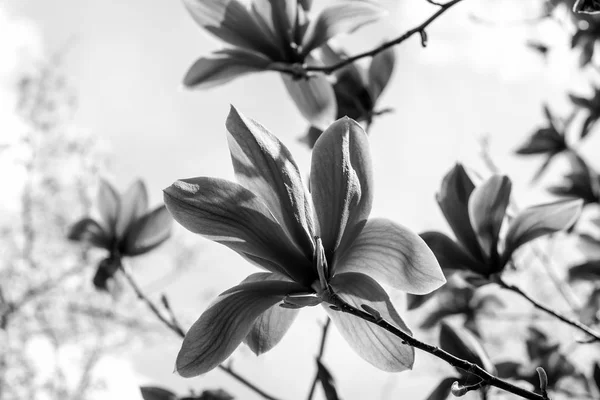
pixel 127 60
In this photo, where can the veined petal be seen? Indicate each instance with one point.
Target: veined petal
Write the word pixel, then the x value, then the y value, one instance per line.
pixel 232 22
pixel 390 253
pixel 453 199
pixel 487 207
pixel 89 231
pixel 339 18
pixel 374 344
pixel 134 204
pixel 109 205
pixel 230 214
pixel 224 66
pixel 341 182
pixel 263 165
pixel 223 326
pixel 270 327
pixel 148 232
pixel 451 255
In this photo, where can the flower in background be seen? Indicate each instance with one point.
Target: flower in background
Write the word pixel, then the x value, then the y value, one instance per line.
pixel 476 216
pixel 311 244
pixel 356 89
pixel 125 227
pixel 583 182
pixel 269 35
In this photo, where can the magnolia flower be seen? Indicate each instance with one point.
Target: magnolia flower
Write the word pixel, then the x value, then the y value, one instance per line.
pixel 271 35
pixel 309 243
pixel 125 227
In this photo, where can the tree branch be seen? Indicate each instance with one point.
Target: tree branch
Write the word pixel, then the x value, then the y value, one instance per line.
pixel 555 314
pixel 174 326
pixel 318 358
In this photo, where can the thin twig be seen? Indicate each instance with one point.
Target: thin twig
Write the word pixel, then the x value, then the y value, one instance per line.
pixel 318 358
pixel 174 326
pixel 416 30
pixel 486 377
pixel 550 311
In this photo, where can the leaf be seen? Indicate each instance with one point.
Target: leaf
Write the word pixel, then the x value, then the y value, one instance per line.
pixel 224 66
pixel 156 393
pixel 463 344
pixel 314 97
pixel 541 220
pixel 453 199
pixel 223 326
pixel 339 18
pixel 380 71
pixel 374 344
pixel 442 390
pixel 487 207
pixel 587 271
pixel 391 253
pixel 148 232
pixel 327 382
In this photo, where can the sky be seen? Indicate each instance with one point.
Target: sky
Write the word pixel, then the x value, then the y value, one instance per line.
pixel 127 59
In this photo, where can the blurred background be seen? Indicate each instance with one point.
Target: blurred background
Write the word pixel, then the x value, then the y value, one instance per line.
pixel 94 89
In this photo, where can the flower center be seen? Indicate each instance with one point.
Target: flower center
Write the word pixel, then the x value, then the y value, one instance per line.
pixel 320 264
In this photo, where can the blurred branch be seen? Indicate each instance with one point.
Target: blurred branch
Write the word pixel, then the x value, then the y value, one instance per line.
pixel 319 356
pixel 174 326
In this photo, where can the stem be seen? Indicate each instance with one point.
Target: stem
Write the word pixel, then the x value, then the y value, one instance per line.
pixel 550 311
pixel 174 326
pixel 416 30
pixel 319 356
pixel 486 377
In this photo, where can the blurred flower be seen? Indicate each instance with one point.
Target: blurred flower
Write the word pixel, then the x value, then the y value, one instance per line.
pixel 311 243
pixel 157 393
pixel 581 183
pixel 356 89
pixel 476 216
pixel 592 107
pixel 275 35
pixel 125 228
pixel 587 6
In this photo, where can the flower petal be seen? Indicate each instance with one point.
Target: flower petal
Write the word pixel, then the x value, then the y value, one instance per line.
pixel 266 167
pixel 109 205
pixel 374 344
pixel 390 253
pixel 314 98
pixel 281 18
pixel 487 207
pixel 89 231
pixel 230 214
pixel 148 232
pixel 453 199
pixel 380 71
pixel 223 326
pixel 134 203
pixel 339 18
pixel 341 180
pixel 451 255
pixel 224 66
pixel 270 327
pixel 537 221
pixel 463 344
pixel 232 22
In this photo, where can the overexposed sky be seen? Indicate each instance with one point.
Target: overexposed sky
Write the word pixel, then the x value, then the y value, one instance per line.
pixel 127 59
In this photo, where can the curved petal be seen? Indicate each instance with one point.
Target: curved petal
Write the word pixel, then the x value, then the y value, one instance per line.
pixel 263 165
pixel 380 71
pixel 451 255
pixel 224 66
pixel 374 344
pixel 134 203
pixel 390 253
pixel 230 214
pixel 232 22
pixel 339 18
pixel 487 207
pixel 270 327
pixel 148 232
pixel 109 205
pixel 341 180
pixel 89 231
pixel 223 326
pixel 280 16
pixel 453 199
pixel 314 97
